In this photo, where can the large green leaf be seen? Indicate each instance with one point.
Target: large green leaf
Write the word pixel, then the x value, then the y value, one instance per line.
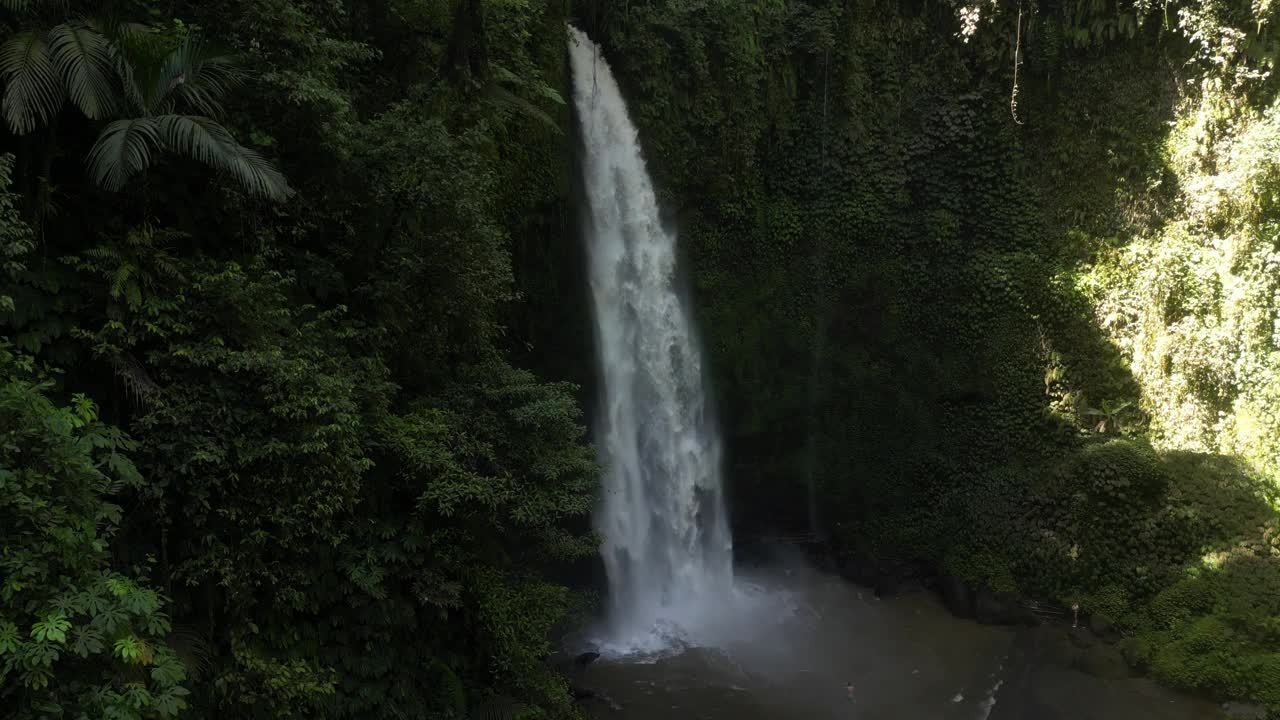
pixel 127 147
pixel 84 59
pixel 204 140
pixel 197 76
pixel 123 149
pixel 33 93
pixel 19 6
pixel 140 61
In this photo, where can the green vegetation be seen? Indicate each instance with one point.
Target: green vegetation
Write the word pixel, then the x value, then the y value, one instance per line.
pixel 266 449
pixel 1035 347
pixel 292 290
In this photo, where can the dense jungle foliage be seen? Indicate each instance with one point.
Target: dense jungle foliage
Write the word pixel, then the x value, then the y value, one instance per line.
pixel 295 339
pixel 268 450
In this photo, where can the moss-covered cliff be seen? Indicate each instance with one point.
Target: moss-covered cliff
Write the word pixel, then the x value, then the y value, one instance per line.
pixel 1024 330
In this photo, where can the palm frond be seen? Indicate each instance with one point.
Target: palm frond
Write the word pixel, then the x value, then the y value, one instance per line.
pixel 503 97
pixel 33 93
pixel 192 648
pixel 123 149
pixel 140 61
pixel 111 26
pixel 21 6
pixel 138 385
pixel 208 142
pixel 85 60
pixel 198 76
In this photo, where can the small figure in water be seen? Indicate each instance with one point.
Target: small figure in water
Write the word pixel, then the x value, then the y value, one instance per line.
pixel 849 689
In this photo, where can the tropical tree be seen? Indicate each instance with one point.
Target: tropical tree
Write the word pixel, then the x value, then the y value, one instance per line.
pixel 161 95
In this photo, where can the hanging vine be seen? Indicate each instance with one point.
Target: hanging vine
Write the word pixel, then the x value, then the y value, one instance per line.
pixel 1017 60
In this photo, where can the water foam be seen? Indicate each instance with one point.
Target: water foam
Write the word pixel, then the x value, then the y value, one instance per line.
pixel 667 547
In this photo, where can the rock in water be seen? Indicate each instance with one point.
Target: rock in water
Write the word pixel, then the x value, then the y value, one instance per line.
pixel 1103 628
pixel 956 595
pixel 887 585
pixel 991 608
pixel 585 659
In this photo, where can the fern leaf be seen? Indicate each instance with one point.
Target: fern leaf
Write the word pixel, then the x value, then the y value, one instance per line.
pixel 505 98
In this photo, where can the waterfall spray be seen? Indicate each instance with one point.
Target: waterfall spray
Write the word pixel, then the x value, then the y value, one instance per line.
pixel 667 546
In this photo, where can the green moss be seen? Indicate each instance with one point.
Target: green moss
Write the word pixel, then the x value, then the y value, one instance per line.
pixel 1039 354
pixel 986 569
pixel 1200 657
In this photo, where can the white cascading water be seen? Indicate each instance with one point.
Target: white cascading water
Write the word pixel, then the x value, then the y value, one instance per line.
pixel 667 546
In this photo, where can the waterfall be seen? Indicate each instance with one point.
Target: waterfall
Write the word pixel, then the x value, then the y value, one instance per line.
pixel 666 542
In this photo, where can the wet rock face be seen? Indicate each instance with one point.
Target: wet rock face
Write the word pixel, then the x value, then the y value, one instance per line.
pixel 957 596
pixel 1101 661
pixel 889 585
pixel 1101 626
pixel 885 576
pixel 585 659
pixel 858 569
pixel 984 604
pixel 991 608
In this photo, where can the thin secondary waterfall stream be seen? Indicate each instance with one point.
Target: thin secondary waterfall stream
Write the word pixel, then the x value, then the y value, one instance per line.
pixel 667 546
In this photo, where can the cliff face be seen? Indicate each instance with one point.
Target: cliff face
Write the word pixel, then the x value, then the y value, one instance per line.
pixel 1028 336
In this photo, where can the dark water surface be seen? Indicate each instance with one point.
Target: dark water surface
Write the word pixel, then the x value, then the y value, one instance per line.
pixel 794 639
